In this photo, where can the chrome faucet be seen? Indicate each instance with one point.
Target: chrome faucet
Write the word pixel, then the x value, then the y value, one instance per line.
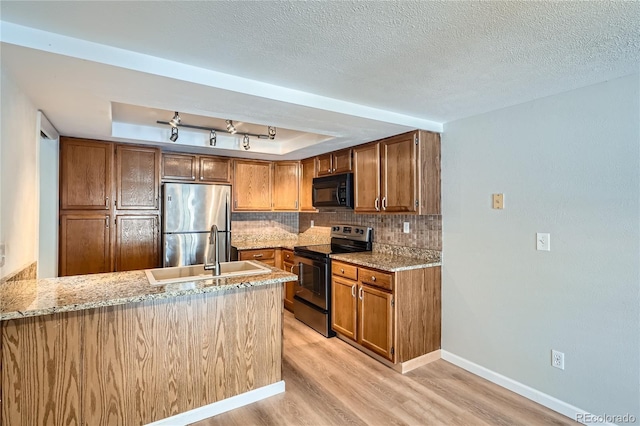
pixel 213 265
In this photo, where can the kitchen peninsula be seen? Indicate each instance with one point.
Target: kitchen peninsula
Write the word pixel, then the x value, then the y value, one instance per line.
pixel 111 348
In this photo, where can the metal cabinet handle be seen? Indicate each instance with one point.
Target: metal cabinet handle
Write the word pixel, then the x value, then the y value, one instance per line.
pixel 328 170
pixel 201 178
pixel 373 278
pixel 384 203
pixel 341 271
pixel 296 204
pixel 353 291
pixel 361 293
pixel 106 222
pixel 333 170
pixel 106 204
pixel 258 255
pixel 376 203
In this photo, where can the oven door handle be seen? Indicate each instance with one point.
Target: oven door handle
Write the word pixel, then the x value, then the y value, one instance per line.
pixel 299 265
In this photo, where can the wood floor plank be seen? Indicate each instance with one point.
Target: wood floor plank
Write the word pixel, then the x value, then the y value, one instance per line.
pixel 329 382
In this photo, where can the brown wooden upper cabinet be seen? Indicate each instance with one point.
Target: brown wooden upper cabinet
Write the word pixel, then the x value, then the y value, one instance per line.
pixel 307 173
pixel 334 163
pixel 85 174
pixel 252 185
pixel 137 178
pixel 195 168
pixel 286 182
pixel 400 174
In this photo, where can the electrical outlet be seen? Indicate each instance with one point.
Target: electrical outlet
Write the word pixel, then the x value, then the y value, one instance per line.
pixel 557 359
pixel 312 223
pixel 498 201
pixel 543 241
pixel 406 228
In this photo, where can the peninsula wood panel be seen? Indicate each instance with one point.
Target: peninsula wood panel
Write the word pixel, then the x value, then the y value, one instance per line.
pixel 286 182
pixel 307 172
pixel 85 244
pixel 137 178
pixel 153 360
pixel 41 370
pixel 85 174
pixel 418 312
pixel 398 174
pixel 252 185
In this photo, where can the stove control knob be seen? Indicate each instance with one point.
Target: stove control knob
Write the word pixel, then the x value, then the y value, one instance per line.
pixel 336 228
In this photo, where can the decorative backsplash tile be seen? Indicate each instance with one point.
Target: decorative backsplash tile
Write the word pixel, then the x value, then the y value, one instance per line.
pixel 267 223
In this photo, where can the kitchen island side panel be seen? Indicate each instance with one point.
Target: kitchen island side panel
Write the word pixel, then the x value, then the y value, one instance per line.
pixel 143 362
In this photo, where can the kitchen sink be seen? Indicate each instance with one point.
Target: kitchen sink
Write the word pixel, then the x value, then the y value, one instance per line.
pixel 177 274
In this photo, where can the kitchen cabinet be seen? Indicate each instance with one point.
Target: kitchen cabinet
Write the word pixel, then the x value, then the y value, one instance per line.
pixel 334 163
pixel 252 183
pixel 393 315
pixel 137 178
pixel 267 256
pixel 400 174
pixel 85 244
pixel 137 242
pixel 307 173
pixel 195 168
pixel 286 182
pixel 290 286
pixel 123 235
pixel 85 174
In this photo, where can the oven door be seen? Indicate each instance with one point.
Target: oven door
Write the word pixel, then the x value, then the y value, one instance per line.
pixel 313 285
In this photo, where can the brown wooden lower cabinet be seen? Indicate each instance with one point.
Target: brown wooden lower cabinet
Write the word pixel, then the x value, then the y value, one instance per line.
pixel 85 243
pixel 137 242
pixel 267 256
pixel 395 316
pixel 141 362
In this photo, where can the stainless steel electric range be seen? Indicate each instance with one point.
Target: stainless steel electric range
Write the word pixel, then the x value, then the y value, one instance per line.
pixel 312 301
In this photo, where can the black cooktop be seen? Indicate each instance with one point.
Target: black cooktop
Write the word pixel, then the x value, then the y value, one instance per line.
pixel 344 239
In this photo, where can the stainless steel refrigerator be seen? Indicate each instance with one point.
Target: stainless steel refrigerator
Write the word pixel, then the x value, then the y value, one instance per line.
pixel 189 210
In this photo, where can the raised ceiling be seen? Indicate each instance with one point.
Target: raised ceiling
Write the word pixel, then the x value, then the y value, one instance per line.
pixel 349 71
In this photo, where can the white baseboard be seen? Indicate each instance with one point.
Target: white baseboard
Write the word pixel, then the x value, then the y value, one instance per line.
pixel 541 398
pixel 223 406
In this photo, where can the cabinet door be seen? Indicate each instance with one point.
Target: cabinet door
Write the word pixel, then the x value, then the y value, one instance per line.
pixel 286 179
pixel 179 167
pixel 85 244
pixel 137 178
pixel 251 186
pixel 215 169
pixel 344 305
pixel 342 161
pixel 85 174
pixel 289 287
pixel 324 164
pixel 366 176
pixel 307 172
pixel 398 174
pixel 375 331
pixel 137 242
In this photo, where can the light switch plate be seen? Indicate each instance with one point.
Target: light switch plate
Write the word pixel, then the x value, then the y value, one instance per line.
pixel 543 241
pixel 405 227
pixel 498 201
pixel 3 248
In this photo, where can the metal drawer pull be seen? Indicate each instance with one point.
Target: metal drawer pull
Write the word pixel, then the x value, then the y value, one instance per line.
pixel 342 271
pixel 384 203
pixel 106 206
pixel 373 278
pixel 258 255
pixel 361 293
pixel 376 203
pixel 353 291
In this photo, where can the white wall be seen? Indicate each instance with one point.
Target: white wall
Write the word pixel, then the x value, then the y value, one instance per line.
pixel 18 177
pixel 48 160
pixel 568 165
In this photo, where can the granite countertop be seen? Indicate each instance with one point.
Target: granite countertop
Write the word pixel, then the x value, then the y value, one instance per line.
pixel 19 299
pixel 388 262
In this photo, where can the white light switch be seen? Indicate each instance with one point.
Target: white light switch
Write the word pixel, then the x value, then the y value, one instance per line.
pixel 405 228
pixel 312 223
pixel 543 241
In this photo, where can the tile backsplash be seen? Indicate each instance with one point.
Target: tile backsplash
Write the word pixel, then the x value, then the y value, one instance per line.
pixel 425 231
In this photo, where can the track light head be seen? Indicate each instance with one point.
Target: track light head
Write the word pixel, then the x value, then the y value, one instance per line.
pixel 272 132
pixel 175 120
pixel 245 143
pixel 212 138
pixel 230 127
pixel 174 134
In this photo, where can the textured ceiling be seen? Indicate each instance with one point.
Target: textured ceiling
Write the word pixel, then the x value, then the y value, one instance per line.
pixel 436 61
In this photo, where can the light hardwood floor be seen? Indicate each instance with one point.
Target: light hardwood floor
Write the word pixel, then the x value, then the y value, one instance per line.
pixel 329 382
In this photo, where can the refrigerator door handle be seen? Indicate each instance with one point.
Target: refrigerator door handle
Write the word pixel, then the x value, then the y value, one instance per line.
pixel 228 219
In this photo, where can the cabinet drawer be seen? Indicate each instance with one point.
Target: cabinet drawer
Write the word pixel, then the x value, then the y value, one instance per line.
pixel 344 270
pixel 376 278
pixel 287 256
pixel 261 255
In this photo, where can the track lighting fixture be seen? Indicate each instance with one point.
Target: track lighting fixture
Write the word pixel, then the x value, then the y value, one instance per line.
pixel 230 127
pixel 174 134
pixel 175 121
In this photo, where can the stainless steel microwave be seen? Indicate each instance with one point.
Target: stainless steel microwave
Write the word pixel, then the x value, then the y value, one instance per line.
pixel 333 191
